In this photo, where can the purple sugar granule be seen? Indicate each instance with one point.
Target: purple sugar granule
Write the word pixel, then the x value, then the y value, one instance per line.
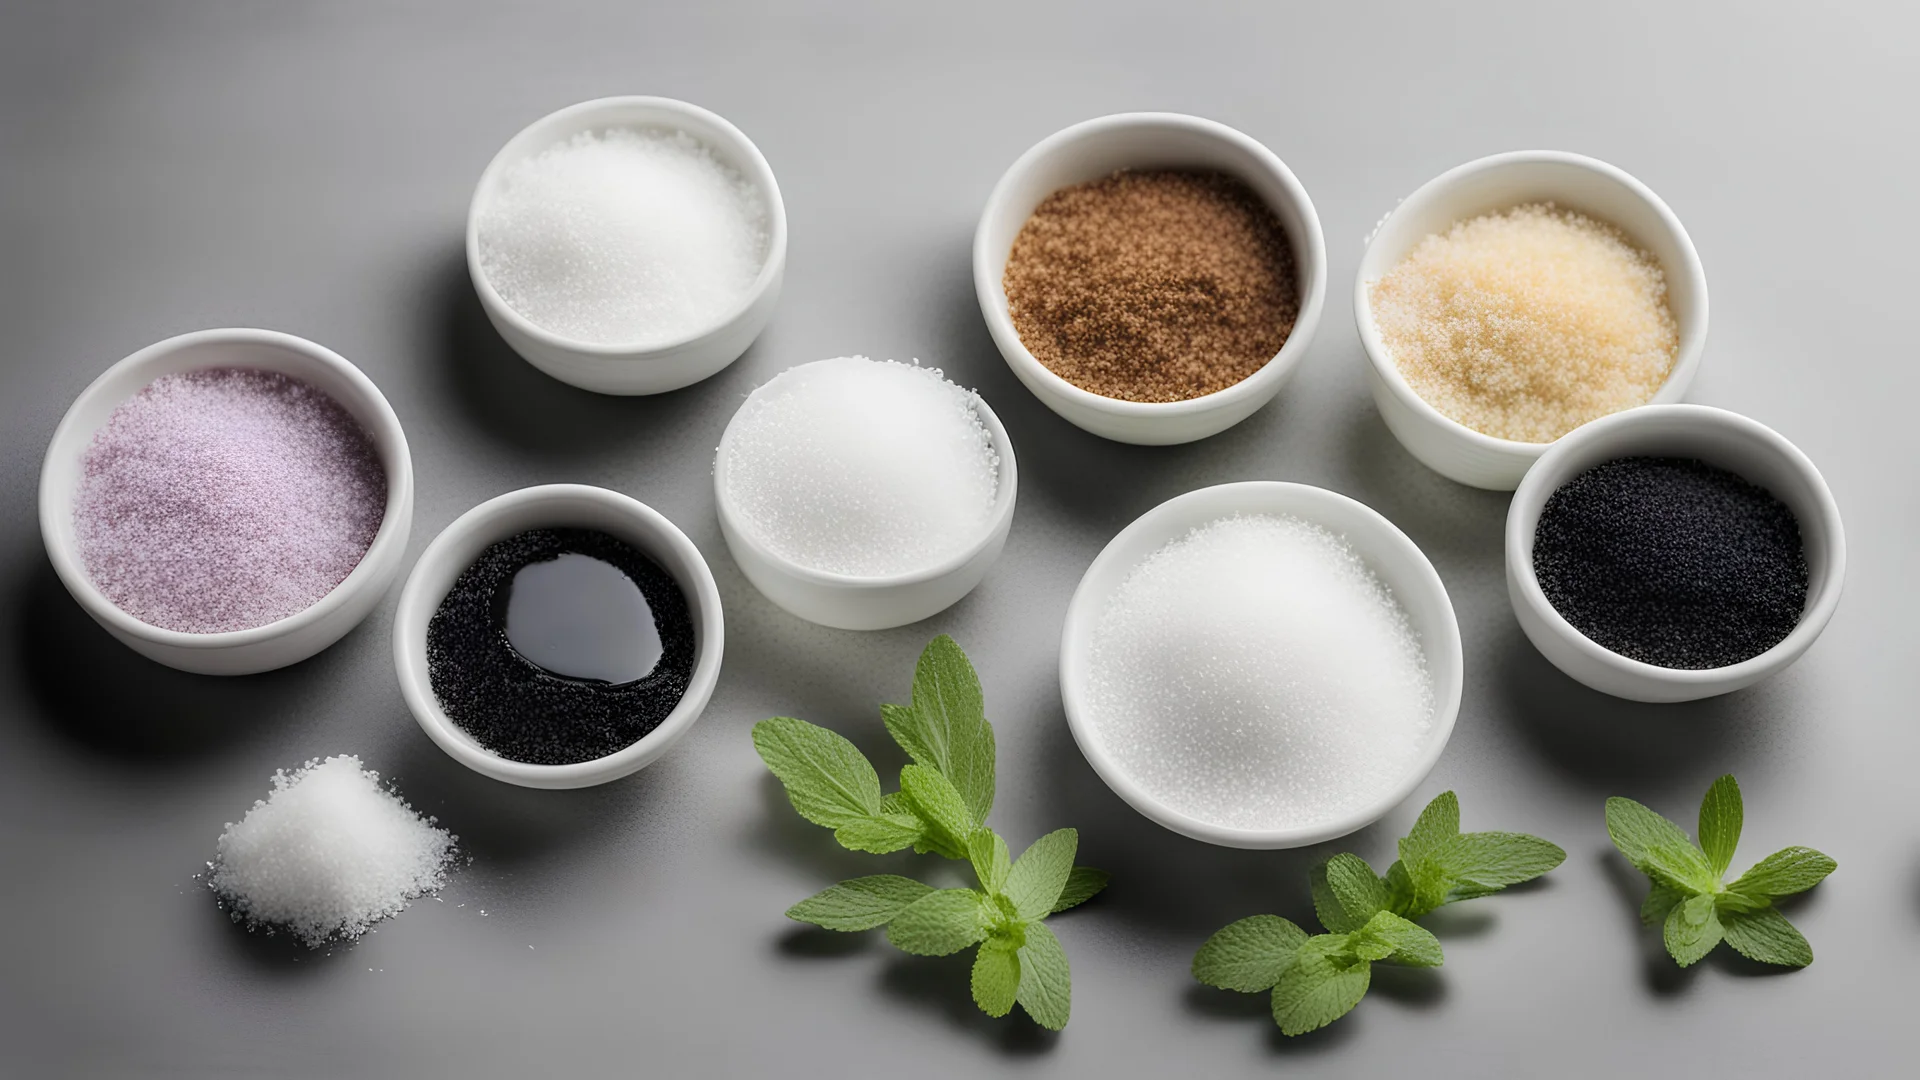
pixel 225 499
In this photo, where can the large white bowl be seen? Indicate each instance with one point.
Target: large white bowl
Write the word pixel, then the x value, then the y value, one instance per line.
pixel 1734 443
pixel 551 506
pixel 1494 183
pixel 625 369
pixel 1387 550
pixel 277 644
pixel 851 602
pixel 1097 148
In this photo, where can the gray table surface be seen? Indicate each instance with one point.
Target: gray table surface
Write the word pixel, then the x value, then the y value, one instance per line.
pixel 168 167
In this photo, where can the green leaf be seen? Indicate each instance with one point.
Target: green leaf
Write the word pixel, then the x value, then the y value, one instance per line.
pixel 828 780
pixel 1636 830
pixel 948 822
pixel 1046 985
pixel 881 834
pixel 1357 891
pixel 1682 866
pixel 1660 900
pixel 996 977
pixel 1082 884
pixel 1692 929
pixel 1720 817
pixel 860 904
pixel 988 853
pixel 1785 872
pixel 1248 955
pixel 939 923
pixel 1432 886
pixel 1040 874
pixel 1320 985
pixel 1400 891
pixel 946 728
pixel 1766 936
pixel 1491 861
pixel 1438 823
pixel 1389 937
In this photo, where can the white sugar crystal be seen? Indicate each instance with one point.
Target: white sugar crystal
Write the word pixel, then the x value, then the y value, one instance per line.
pixel 854 466
pixel 328 853
pixel 1256 674
pixel 625 237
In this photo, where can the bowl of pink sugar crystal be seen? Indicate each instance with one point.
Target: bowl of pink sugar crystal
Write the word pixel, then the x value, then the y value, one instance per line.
pixel 228 501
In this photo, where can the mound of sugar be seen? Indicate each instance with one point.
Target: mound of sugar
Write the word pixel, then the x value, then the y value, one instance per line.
pixel 328 853
pixel 1256 674
pixel 860 467
pixel 624 237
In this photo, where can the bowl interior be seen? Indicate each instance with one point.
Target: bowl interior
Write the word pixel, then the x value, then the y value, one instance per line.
pixel 1388 551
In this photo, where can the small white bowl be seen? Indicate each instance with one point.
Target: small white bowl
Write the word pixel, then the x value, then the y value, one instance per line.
pixel 1571 181
pixel 1387 550
pixel 625 369
pixel 261 648
pixel 1094 149
pixel 1733 442
pixel 850 602
pixel 550 506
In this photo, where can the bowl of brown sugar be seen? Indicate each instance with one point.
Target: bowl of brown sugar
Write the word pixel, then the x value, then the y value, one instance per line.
pixel 1154 278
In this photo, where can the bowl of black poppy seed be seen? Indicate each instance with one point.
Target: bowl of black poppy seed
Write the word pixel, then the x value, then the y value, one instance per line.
pixel 1673 552
pixel 558 637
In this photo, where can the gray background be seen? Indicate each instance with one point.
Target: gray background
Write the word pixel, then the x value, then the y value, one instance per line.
pixel 168 167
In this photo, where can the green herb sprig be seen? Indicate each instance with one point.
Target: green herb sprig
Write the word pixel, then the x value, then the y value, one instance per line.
pixel 1689 898
pixel 941 807
pixel 1316 979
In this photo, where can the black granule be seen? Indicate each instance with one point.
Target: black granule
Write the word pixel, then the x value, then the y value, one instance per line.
pixel 523 712
pixel 1672 562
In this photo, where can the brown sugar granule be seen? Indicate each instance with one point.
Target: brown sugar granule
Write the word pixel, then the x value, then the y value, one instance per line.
pixel 1156 285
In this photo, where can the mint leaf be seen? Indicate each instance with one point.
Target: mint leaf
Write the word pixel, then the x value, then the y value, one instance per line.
pixel 949 822
pixel 1082 884
pixel 996 977
pixel 1040 873
pixel 1389 937
pixel 1660 900
pixel 1635 830
pixel 1681 866
pixel 1491 861
pixel 1321 984
pixel 1785 872
pixel 946 728
pixel 1766 936
pixel 1400 891
pixel 988 854
pixel 881 834
pixel 1692 930
pixel 860 904
pixel 1438 823
pixel 828 780
pixel 1356 889
pixel 1720 818
pixel 1046 986
pixel 1248 955
pixel 939 923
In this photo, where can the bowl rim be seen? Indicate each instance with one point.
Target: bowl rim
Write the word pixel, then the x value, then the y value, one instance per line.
pixel 1445 659
pixel 1530 498
pixel 986 281
pixel 997 518
pixel 415 610
pixel 384 429
pixel 521 145
pixel 1693 335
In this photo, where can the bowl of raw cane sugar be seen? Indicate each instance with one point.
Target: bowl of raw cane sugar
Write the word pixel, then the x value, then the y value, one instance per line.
pixel 228 501
pixel 628 245
pixel 1261 665
pixel 1514 298
pixel 1154 278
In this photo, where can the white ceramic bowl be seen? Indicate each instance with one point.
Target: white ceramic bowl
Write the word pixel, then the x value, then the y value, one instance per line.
pixel 624 369
pixel 1097 148
pixel 849 602
pixel 1496 183
pixel 277 644
pixel 555 506
pixel 1733 442
pixel 1387 550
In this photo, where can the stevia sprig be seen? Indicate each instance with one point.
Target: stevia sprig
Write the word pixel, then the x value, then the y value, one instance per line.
pixel 941 807
pixel 1316 979
pixel 1689 898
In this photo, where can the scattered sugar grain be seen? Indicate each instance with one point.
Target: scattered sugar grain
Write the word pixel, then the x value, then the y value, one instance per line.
pixel 629 236
pixel 862 467
pixel 327 853
pixel 1255 673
